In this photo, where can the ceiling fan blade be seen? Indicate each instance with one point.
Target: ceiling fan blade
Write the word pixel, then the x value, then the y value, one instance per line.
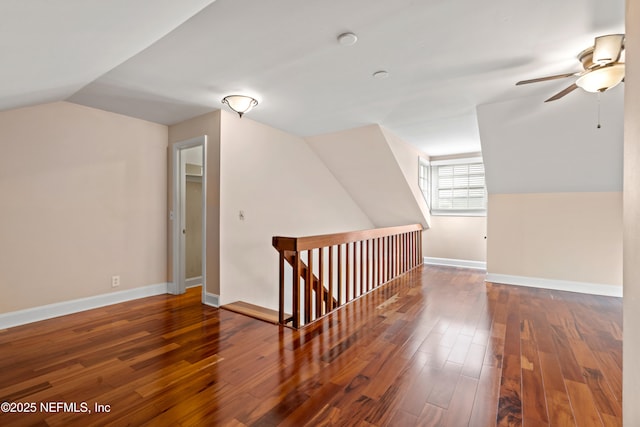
pixel 563 92
pixel 544 79
pixel 607 49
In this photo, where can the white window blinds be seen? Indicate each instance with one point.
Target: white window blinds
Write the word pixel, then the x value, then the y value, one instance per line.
pixel 458 188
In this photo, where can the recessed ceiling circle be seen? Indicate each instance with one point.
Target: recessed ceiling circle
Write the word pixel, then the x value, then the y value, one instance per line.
pixel 347 39
pixel 382 74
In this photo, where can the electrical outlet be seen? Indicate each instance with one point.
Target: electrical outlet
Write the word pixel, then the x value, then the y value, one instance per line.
pixel 115 281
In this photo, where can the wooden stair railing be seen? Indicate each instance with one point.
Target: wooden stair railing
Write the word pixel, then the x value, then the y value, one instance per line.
pixel 330 270
pixel 290 257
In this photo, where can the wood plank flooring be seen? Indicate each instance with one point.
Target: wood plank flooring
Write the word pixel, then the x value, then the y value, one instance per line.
pixel 436 347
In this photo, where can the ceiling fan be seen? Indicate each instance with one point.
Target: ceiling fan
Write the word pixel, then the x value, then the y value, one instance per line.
pixel 602 63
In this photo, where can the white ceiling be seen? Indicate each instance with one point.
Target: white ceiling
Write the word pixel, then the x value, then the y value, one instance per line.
pixel 167 61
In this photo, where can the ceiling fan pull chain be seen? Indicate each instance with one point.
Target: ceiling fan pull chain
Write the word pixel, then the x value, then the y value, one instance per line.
pixel 599 94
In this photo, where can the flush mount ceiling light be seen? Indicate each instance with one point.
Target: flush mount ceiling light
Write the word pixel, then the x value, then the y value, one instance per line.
pixel 240 103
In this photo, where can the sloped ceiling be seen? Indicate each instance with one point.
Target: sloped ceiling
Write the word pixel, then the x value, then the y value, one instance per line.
pixel 167 61
pixel 554 147
pixel 52 49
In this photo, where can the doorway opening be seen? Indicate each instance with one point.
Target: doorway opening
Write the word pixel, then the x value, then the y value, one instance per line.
pixel 189 215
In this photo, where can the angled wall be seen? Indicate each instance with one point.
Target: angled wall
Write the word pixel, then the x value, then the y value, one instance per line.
pixel 554 182
pixel 379 172
pixel 282 188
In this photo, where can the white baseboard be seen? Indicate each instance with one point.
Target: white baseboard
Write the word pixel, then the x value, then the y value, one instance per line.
pixel 193 281
pixel 29 315
pixel 478 265
pixel 212 299
pixel 558 285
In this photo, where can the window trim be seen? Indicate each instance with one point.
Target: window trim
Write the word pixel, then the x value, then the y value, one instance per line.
pixel 434 164
pixel 427 165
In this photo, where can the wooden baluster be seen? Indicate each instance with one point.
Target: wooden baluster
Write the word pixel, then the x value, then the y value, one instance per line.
pixel 402 254
pixel 413 249
pixel 391 256
pixel 281 281
pixel 308 292
pixel 399 252
pixel 418 246
pixel 354 284
pixel 362 267
pixel 392 273
pixel 320 290
pixel 388 257
pixel 375 244
pixel 296 290
pixel 380 262
pixel 408 250
pixel 399 255
pixel 329 303
pixel 340 276
pixel 405 255
pixel 368 286
pixel 408 246
pixel 347 289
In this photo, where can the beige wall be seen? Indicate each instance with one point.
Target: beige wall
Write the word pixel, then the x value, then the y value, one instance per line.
pixel 456 237
pixel 283 189
pixel 561 236
pixel 83 199
pixel 631 349
pixel 207 124
pixel 408 159
pixel 364 163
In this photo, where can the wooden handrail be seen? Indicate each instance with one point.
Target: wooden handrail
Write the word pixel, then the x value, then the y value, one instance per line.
pixel 324 240
pixel 330 270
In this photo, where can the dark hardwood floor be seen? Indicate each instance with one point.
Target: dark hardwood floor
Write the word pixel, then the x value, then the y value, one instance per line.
pixel 437 347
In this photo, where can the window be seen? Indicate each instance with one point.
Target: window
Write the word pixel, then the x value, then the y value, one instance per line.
pixel 424 181
pixel 457 187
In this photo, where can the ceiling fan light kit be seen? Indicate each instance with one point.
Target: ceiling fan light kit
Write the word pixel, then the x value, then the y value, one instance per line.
pixel 240 103
pixel 602 79
pixel 603 66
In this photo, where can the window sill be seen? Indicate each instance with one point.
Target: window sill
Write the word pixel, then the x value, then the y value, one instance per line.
pixel 459 213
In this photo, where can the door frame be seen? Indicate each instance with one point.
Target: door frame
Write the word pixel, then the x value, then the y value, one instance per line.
pixel 177 215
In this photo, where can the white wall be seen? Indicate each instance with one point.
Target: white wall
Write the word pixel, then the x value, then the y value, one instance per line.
pixel 283 189
pixel 631 348
pixel 83 198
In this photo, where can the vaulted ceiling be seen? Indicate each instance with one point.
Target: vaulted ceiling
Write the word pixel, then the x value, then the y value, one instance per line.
pixel 166 61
